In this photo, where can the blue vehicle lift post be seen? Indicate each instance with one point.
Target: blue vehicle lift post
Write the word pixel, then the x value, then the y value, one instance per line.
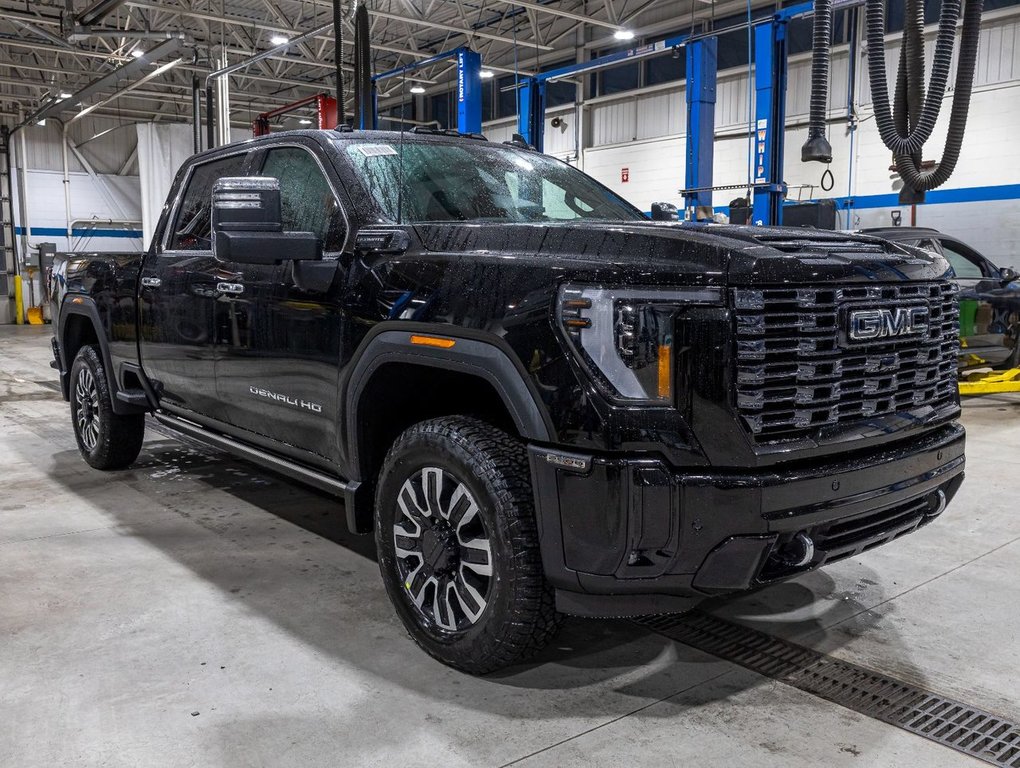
pixel 469 87
pixel 770 61
pixel 702 68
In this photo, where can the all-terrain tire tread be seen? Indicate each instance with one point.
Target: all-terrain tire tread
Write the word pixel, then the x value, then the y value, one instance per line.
pixel 120 436
pixel 503 461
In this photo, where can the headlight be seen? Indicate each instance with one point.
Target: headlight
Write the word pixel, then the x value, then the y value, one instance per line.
pixel 624 337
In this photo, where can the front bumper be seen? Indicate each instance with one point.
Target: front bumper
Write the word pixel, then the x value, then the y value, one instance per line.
pixel 629 535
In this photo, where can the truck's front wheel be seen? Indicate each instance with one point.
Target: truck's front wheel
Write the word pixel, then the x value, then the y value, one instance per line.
pixel 106 440
pixel 458 545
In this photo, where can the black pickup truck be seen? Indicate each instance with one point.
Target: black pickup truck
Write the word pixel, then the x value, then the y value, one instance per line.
pixel 540 401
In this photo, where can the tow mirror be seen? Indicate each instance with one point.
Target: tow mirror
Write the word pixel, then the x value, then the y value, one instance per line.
pixel 247 224
pixel 1008 274
pixel 665 212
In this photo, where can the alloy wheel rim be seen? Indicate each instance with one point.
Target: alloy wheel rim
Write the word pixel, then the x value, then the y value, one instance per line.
pixel 444 556
pixel 86 397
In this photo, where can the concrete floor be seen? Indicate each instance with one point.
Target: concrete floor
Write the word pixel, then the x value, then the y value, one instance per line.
pixel 194 611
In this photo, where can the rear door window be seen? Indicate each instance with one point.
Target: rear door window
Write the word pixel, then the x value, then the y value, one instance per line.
pixel 192 228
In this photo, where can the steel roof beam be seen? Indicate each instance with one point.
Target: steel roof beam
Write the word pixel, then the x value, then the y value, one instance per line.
pixel 137 67
pixel 97 12
pixel 251 24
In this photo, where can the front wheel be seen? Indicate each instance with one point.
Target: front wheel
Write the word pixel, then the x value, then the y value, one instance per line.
pixel 106 440
pixel 458 545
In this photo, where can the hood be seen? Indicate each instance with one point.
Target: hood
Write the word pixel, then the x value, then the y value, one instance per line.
pixel 703 254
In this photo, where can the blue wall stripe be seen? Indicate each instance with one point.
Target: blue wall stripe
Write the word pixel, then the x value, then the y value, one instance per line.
pixel 935 197
pixel 80 232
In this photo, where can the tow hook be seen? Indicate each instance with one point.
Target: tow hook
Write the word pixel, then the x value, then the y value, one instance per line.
pixel 936 503
pixel 797 552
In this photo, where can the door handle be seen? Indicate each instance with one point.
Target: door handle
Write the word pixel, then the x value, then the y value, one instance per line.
pixel 151 282
pixel 234 288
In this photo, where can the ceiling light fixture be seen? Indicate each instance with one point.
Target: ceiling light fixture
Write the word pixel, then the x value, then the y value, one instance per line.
pixel 279 40
pixel 65 95
pixel 417 89
pixel 486 74
pixel 304 121
pixel 623 34
pixel 138 53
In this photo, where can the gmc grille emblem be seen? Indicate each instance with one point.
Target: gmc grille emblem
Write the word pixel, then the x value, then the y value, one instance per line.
pixel 869 324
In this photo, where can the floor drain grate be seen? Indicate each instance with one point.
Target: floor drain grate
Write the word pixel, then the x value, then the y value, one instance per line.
pixel 954 724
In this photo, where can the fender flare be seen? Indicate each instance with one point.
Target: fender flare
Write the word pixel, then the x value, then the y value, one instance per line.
pixel 477 354
pixel 85 306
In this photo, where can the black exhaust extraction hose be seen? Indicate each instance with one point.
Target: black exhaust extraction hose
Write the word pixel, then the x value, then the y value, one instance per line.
pixel 817 147
pixel 338 55
pixel 913 140
pixel 362 70
pixel 908 165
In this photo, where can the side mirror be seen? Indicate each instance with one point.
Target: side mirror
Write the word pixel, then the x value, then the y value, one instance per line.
pixel 247 224
pixel 665 212
pixel 1008 274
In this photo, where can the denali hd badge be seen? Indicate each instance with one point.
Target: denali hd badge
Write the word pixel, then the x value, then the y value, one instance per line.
pixel 281 398
pixel 869 324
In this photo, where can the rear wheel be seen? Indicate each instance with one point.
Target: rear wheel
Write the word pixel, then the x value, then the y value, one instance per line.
pixel 458 545
pixel 105 439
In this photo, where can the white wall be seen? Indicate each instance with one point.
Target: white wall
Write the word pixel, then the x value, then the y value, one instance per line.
pixel 94 205
pixel 104 209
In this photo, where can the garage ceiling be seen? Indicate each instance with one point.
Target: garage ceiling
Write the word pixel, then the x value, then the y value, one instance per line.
pixel 50 48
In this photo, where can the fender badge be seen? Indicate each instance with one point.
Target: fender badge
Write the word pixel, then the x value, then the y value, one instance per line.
pixel 576 463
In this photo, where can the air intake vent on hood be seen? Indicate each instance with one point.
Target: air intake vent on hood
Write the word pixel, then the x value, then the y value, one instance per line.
pixel 815 244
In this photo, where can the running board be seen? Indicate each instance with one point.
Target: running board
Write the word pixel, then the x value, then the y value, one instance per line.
pixel 267 460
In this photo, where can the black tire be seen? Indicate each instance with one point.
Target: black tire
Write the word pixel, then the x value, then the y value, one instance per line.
pixel 105 439
pixel 460 464
pixel 1013 361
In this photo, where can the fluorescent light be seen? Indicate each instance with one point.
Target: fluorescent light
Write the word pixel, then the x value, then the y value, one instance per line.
pixel 279 39
pixel 138 53
pixel 417 89
pixel 304 121
pixel 623 34
pixel 65 95
pixel 486 74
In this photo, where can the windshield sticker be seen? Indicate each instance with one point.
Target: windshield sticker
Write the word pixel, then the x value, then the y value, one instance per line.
pixel 375 150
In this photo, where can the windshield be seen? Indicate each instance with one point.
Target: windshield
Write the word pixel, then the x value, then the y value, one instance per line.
pixel 472 181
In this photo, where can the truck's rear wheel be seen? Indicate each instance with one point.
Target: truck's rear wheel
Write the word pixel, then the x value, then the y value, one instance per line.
pixel 106 440
pixel 458 545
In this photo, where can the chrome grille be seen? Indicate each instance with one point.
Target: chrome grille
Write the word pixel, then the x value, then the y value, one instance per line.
pixel 797 373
